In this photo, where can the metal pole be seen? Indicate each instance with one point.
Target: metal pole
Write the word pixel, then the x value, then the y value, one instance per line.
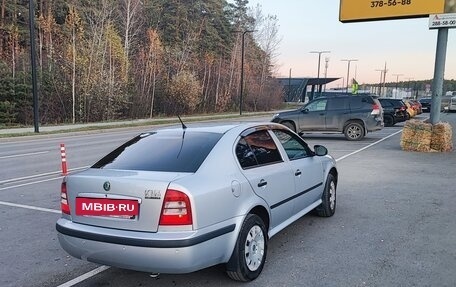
pixel 397 84
pixel 33 62
pixel 289 86
pixel 318 71
pixel 437 83
pixel 348 74
pixel 380 82
pixel 384 80
pixel 326 72
pixel 242 70
pixel 348 69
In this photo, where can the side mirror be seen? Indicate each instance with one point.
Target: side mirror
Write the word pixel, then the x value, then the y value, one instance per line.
pixel 305 111
pixel 320 150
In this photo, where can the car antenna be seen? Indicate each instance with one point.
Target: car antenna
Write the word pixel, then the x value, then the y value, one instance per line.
pixel 183 125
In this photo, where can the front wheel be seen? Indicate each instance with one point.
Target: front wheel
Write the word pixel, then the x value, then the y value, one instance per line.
pixel 249 255
pixel 328 204
pixel 354 131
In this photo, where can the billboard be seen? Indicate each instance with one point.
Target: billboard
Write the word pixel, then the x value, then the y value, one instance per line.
pixel 371 10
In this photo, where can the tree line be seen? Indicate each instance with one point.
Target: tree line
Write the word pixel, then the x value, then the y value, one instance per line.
pixel 124 59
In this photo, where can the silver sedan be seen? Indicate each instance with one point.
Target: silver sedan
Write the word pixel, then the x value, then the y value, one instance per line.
pixel 182 199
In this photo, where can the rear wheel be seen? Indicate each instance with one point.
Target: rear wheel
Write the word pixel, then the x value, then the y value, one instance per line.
pixel 249 255
pixel 354 131
pixel 388 120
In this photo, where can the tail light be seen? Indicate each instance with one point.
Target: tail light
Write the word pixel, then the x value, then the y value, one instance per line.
pixel 64 206
pixel 176 209
pixel 375 109
pixel 403 108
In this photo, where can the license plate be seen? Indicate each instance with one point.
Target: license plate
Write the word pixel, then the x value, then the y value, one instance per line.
pixel 106 207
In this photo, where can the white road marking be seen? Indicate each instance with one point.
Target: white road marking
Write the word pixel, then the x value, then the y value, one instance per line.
pixel 30 183
pixel 23 154
pixel 368 146
pixel 30 207
pixel 39 175
pixel 84 276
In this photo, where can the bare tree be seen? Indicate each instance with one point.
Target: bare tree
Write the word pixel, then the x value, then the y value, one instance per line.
pixel 130 10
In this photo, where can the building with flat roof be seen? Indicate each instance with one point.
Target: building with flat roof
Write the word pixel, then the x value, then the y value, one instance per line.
pixel 296 89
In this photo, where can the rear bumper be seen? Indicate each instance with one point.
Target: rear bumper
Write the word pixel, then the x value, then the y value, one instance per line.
pixel 164 252
pixel 374 124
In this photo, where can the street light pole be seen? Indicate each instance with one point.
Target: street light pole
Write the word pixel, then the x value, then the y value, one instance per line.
pixel 33 62
pixel 242 70
pixel 380 83
pixel 348 68
pixel 397 84
pixel 326 72
pixel 408 87
pixel 318 72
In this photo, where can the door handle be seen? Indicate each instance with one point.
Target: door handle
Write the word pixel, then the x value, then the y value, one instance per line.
pixel 262 183
pixel 298 173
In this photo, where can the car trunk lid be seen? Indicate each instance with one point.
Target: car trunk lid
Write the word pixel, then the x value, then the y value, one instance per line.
pixel 128 200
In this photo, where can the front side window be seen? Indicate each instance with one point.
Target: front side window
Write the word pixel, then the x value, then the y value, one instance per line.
pixel 316 106
pixel 256 149
pixel 294 147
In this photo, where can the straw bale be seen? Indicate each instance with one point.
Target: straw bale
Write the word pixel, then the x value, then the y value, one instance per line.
pixel 416 136
pixel 442 140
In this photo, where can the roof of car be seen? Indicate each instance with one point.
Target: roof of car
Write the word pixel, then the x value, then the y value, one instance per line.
pixel 214 128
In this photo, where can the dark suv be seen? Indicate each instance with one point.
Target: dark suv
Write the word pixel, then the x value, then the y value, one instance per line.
pixel 394 111
pixel 351 115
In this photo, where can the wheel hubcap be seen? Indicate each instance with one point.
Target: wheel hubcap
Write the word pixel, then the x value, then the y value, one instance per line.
pixel 254 248
pixel 354 132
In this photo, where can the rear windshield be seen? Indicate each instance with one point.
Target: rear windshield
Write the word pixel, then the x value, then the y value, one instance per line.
pixel 162 151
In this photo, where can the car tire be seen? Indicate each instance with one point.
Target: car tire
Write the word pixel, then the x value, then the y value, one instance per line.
pixel 328 206
pixel 249 254
pixel 289 125
pixel 354 131
pixel 388 120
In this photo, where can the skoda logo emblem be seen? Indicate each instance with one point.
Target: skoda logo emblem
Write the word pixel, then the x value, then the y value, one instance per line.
pixel 107 186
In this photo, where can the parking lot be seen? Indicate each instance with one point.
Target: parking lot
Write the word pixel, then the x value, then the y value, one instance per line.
pixel 395 223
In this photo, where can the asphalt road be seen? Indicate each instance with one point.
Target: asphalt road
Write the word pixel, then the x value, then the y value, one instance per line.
pixel 395 223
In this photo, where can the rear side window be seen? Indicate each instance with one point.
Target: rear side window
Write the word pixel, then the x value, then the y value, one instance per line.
pixel 386 103
pixel 256 149
pixel 337 104
pixel 162 151
pixel 358 102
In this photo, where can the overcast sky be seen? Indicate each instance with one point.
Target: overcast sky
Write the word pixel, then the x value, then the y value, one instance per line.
pixel 407 46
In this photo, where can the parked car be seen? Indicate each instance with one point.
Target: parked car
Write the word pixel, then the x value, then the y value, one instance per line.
pixel 452 104
pixel 163 202
pixel 354 116
pixel 394 111
pixel 426 104
pixel 411 112
pixel 415 106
